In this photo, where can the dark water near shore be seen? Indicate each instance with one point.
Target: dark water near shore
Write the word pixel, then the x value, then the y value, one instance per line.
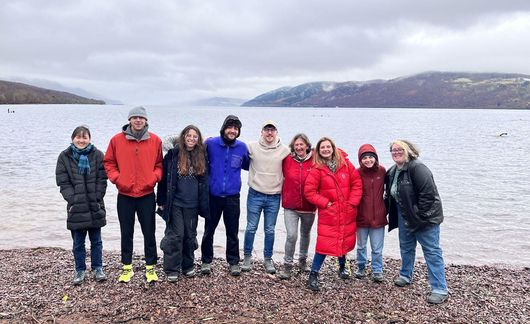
pixel 482 178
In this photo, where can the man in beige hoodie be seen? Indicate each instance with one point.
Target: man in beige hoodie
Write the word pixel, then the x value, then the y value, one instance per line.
pixel 265 185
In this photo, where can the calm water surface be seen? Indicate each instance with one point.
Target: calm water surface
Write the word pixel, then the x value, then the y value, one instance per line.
pixel 482 178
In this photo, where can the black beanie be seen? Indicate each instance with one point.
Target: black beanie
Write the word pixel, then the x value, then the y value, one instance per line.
pixel 369 154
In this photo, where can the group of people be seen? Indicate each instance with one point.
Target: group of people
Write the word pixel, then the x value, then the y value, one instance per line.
pixel 199 177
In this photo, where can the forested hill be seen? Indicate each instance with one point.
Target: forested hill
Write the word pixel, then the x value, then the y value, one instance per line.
pixel 425 90
pixel 20 93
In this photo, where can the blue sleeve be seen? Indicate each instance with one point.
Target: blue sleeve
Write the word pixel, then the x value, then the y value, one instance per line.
pixel 246 160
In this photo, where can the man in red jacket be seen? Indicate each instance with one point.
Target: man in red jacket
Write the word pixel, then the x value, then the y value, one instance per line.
pixel 133 162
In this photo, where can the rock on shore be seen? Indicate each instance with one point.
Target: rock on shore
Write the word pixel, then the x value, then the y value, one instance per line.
pixel 35 285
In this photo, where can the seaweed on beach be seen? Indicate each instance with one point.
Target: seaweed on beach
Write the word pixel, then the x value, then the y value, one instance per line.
pixel 35 285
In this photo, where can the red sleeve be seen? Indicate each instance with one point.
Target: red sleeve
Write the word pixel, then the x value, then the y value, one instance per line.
pixel 110 163
pixel 311 189
pixel 158 163
pixel 356 186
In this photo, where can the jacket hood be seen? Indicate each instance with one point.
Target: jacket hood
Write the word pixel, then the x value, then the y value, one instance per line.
pixel 367 148
pixel 131 136
pixel 231 120
pixel 272 146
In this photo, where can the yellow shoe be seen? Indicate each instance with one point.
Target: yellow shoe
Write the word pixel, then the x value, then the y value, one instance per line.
pixel 126 273
pixel 150 273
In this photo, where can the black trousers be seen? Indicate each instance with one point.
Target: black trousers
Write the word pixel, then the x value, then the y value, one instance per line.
pixel 180 240
pixel 144 207
pixel 229 208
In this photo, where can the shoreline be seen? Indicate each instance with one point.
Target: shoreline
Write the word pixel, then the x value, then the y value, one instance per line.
pixel 36 285
pixel 278 256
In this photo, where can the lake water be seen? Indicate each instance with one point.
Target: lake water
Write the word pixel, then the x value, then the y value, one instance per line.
pixel 482 177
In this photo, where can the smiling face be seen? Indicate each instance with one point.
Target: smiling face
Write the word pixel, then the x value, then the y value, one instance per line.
pixel 325 150
pixel 398 155
pixel 190 139
pixel 268 133
pixel 231 133
pixel 137 123
pixel 81 140
pixel 368 161
pixel 300 148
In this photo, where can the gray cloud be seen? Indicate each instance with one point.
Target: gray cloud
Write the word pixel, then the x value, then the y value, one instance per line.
pixel 164 51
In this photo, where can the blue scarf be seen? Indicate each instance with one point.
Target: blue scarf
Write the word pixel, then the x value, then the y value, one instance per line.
pixel 81 156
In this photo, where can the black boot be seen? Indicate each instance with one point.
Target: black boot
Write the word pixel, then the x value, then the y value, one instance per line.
pixel 312 282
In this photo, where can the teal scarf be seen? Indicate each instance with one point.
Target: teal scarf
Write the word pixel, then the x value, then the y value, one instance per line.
pixel 81 156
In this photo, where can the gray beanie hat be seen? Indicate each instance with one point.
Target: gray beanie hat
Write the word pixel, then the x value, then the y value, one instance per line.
pixel 137 112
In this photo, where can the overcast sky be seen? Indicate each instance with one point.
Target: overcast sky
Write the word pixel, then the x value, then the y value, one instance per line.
pixel 160 52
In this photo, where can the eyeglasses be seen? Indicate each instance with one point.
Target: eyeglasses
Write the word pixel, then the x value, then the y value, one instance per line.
pixel 397 151
pixel 269 130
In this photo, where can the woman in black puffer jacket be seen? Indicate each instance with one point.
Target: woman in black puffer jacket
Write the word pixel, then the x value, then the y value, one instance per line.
pixel 414 206
pixel 83 182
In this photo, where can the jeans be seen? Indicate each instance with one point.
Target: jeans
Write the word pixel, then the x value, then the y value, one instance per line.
pixel 291 218
pixel 180 240
pixel 377 240
pixel 318 260
pixel 429 239
pixel 270 205
pixel 145 208
pixel 229 208
pixel 96 248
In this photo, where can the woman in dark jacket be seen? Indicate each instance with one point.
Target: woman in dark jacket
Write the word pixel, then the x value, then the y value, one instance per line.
pixel 182 195
pixel 415 208
pixel 83 182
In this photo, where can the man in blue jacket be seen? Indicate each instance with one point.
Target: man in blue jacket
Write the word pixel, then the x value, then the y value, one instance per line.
pixel 227 156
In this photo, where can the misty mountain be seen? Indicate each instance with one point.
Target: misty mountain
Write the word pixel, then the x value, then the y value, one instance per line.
pixel 20 93
pixel 425 90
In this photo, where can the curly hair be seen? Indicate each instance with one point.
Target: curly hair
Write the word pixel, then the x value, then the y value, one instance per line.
pixel 194 160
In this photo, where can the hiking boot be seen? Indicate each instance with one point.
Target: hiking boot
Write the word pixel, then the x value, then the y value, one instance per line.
pixel 79 277
pixel 285 273
pixel 247 263
pixel 303 266
pixel 190 273
pixel 126 273
pixel 435 298
pixel 172 277
pixel 269 266
pixel 377 277
pixel 206 268
pixel 312 281
pixel 150 273
pixel 235 270
pixel 344 273
pixel 99 275
pixel 360 273
pixel 401 282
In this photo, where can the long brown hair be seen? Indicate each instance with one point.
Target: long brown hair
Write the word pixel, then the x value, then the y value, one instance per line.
pixel 194 159
pixel 337 156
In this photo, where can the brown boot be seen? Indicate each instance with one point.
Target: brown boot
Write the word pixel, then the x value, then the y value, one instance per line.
pixel 286 271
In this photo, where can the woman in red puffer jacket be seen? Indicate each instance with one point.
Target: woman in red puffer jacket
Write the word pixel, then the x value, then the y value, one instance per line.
pixel 335 187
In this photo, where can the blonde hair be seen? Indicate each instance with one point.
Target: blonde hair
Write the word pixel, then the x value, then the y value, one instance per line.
pixel 410 149
pixel 336 156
